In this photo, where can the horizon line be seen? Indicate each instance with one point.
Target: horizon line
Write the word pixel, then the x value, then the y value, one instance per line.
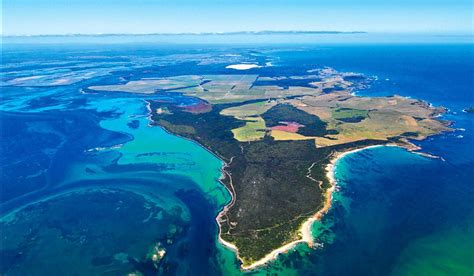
pixel 265 32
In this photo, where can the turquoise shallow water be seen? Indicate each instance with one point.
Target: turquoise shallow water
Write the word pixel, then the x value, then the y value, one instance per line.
pixel 101 151
pixel 98 186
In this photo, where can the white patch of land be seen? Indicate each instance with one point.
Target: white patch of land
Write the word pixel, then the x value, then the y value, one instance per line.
pixel 242 66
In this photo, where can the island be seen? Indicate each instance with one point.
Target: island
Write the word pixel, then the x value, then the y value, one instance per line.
pixel 468 110
pixel 278 138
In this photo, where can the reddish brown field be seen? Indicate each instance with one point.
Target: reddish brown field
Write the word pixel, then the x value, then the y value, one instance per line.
pixel 201 107
pixel 288 127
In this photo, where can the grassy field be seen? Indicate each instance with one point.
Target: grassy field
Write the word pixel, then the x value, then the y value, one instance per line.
pixel 350 118
pixel 150 86
pixel 254 129
pixel 247 110
pixel 349 114
pixel 216 89
pixel 285 136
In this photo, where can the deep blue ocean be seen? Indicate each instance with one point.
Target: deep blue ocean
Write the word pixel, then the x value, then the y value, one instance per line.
pixel 87 187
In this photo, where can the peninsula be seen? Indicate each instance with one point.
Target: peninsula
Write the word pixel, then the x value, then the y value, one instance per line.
pixel 278 137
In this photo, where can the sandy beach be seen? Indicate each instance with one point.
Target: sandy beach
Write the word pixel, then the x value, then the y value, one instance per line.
pixel 305 230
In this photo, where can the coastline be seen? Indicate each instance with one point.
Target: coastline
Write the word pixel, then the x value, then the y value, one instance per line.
pixel 305 229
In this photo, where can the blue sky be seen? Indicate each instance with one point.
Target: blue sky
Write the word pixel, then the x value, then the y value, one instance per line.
pixel 20 17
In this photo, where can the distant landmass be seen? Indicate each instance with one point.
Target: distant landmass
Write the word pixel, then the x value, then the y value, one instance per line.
pixel 203 33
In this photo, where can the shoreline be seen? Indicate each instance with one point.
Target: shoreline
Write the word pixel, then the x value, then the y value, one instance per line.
pixel 305 229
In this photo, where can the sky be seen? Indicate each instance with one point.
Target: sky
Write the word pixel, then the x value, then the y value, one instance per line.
pixel 41 17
